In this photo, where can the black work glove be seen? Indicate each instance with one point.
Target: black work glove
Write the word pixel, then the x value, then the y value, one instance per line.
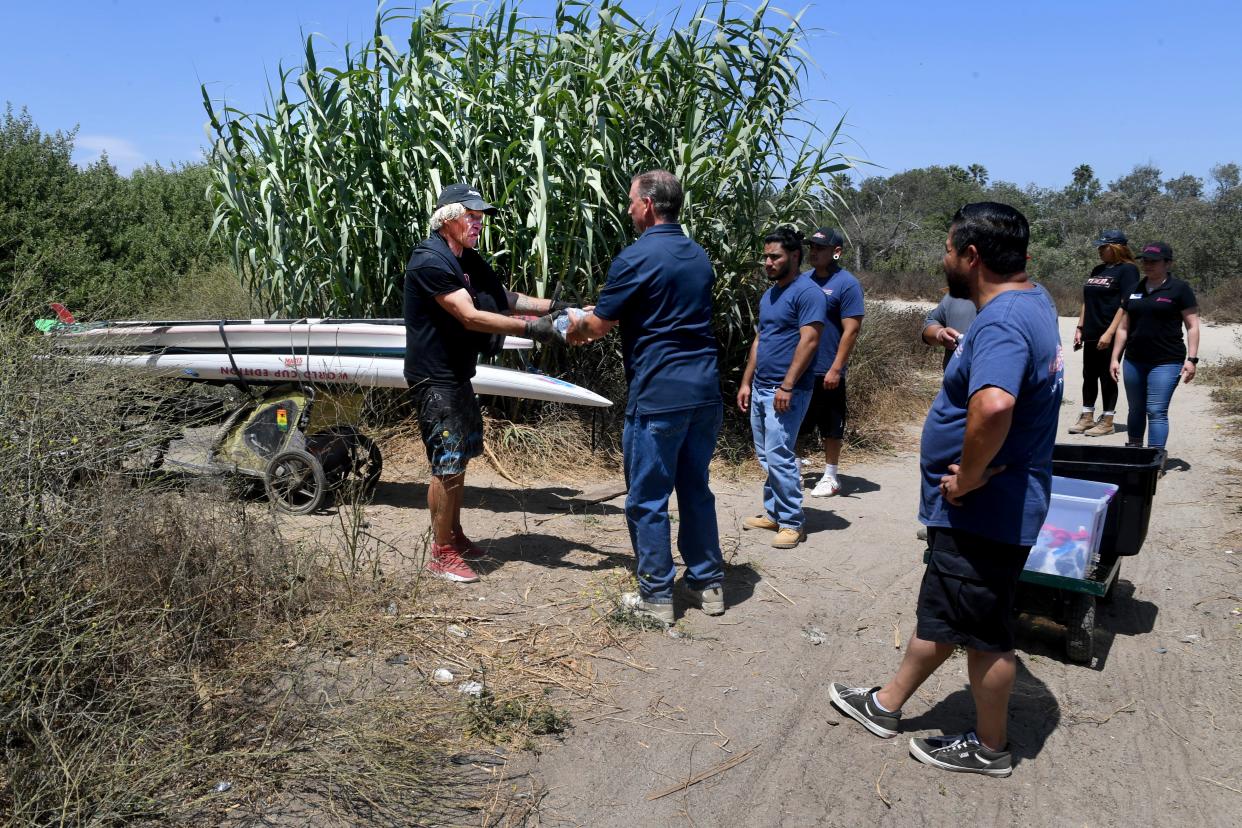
pixel 541 329
pixel 560 306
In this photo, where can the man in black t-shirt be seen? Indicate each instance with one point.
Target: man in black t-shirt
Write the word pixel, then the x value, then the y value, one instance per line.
pixel 456 308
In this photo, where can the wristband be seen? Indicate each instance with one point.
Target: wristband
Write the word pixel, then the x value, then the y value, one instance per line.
pixel 786 390
pixel 1193 360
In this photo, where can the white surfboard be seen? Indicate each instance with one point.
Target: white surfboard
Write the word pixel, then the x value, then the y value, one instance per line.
pixel 344 337
pixel 365 371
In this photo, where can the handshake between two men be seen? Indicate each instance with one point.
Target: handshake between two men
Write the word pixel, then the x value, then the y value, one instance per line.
pixel 567 325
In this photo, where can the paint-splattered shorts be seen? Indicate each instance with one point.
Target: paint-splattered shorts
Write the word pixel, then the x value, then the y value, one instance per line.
pixel 451 425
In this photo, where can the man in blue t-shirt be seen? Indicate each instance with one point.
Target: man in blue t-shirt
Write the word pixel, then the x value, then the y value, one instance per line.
pixel 659 290
pixel 947 324
pixel 986 462
pixel 843 295
pixel 776 386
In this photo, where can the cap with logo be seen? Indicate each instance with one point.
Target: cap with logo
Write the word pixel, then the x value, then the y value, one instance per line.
pixel 467 196
pixel 827 237
pixel 1155 251
pixel 1111 237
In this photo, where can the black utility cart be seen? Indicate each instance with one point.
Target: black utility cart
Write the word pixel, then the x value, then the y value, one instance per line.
pixel 1072 601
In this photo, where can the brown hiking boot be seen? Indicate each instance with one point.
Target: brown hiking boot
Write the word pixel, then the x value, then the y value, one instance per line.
pixel 760 522
pixel 1102 427
pixel 788 538
pixel 1086 420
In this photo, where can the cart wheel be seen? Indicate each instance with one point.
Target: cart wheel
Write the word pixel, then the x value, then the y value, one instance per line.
pixel 368 464
pixel 1107 597
pixel 295 482
pixel 1080 628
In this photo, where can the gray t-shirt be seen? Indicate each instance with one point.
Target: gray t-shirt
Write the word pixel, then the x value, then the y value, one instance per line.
pixel 951 313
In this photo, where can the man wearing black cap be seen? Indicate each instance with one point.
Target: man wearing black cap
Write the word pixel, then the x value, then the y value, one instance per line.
pixel 456 308
pixel 842 322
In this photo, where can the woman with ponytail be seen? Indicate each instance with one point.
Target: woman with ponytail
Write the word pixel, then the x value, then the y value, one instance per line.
pixel 1098 320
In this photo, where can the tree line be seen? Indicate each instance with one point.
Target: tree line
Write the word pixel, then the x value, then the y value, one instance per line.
pixel 897 223
pixel 94 239
pixel 89 237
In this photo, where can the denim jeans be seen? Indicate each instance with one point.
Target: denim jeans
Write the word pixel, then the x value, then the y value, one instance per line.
pixel 666 453
pixel 1149 390
pixel 775 435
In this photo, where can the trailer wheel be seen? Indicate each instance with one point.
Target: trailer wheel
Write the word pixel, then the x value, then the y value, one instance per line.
pixel 361 475
pixel 1080 628
pixel 1107 597
pixel 295 482
pixel 368 465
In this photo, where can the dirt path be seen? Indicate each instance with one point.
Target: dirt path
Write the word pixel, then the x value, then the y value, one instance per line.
pixel 1148 734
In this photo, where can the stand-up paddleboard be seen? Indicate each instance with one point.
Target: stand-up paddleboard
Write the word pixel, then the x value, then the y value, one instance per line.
pixel 366 371
pixel 335 337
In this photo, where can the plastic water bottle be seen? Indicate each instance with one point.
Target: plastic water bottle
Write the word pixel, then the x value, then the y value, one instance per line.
pixel 563 322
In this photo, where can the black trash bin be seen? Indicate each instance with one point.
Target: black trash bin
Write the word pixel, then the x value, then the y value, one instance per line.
pixel 1135 472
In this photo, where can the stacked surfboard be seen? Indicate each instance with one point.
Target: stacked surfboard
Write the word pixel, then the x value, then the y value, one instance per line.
pixel 360 352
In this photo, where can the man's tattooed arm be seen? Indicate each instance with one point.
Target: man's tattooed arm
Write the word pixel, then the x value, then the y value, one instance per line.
pixel 521 303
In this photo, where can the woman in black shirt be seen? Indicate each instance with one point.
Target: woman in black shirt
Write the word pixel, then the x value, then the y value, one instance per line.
pixel 1097 327
pixel 1151 337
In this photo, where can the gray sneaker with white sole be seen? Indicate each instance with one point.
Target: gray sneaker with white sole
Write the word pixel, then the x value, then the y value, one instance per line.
pixel 961 753
pixel 858 704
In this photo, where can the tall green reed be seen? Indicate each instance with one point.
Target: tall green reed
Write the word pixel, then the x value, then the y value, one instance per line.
pixel 323 194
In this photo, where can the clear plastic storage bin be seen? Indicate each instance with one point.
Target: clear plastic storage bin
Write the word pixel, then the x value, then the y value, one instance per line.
pixel 1069 542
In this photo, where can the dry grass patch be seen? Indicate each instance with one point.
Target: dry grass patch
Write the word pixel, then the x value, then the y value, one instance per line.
pixel 178 654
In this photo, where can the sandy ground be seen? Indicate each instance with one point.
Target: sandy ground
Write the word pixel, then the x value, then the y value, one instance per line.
pixel 1147 734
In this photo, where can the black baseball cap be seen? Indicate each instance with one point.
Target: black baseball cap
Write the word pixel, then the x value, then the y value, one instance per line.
pixel 467 196
pixel 827 237
pixel 1111 237
pixel 1156 250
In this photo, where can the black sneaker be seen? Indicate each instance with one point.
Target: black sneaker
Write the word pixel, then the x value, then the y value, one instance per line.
pixel 963 754
pixel 856 702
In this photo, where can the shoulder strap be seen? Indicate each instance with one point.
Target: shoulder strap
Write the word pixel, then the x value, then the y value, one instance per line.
pixel 429 245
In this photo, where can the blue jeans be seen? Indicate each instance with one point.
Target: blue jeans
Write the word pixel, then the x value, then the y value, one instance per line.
pixel 665 453
pixel 775 435
pixel 1149 390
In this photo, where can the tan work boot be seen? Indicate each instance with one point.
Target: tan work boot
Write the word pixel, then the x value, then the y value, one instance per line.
pixel 1086 420
pixel 760 522
pixel 788 538
pixel 1102 427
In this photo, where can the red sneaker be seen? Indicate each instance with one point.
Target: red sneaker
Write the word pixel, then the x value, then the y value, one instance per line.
pixel 467 548
pixel 446 562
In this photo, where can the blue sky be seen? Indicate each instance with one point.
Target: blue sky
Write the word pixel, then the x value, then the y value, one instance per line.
pixel 1027 89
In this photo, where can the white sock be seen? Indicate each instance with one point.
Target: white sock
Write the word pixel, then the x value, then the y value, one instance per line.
pixel 830 471
pixel 875 699
pixel 1086 410
pixel 1109 413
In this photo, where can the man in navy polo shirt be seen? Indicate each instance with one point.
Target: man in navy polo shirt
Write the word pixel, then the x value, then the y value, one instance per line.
pixel 843 295
pixel 986 463
pixel 659 290
pixel 776 386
